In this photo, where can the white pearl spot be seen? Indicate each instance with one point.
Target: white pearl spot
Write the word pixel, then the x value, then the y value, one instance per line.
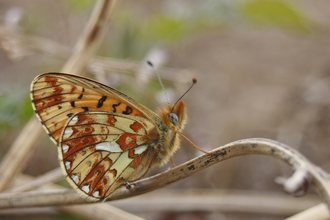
pixel 67 133
pixel 75 178
pixel 74 120
pixel 65 148
pixel 68 165
pixel 109 146
pixel 85 188
pixel 96 194
pixel 140 149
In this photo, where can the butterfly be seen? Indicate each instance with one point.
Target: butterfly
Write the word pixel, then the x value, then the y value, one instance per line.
pixel 104 137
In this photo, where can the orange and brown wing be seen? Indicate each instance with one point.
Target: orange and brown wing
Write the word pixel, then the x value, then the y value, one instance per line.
pixel 56 97
pixel 99 151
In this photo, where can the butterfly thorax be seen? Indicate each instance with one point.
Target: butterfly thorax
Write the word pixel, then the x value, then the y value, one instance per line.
pixel 173 120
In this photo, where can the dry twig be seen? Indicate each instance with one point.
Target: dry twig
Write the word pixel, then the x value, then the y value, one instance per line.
pixel 26 143
pixel 320 212
pixel 202 200
pixel 12 41
pixel 91 211
pixel 318 178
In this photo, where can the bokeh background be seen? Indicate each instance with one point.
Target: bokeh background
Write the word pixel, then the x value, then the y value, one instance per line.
pixel 263 70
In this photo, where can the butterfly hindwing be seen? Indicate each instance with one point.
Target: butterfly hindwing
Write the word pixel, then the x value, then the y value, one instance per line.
pixel 56 97
pixel 100 150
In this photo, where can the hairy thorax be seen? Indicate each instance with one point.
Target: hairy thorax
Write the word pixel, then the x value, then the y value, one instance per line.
pixel 169 141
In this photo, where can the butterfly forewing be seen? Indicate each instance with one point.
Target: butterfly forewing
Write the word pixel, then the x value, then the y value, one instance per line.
pixel 56 97
pixel 100 150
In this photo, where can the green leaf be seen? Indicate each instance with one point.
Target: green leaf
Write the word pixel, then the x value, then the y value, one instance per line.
pixel 279 13
pixel 80 5
pixel 26 110
pixel 167 27
pixel 15 109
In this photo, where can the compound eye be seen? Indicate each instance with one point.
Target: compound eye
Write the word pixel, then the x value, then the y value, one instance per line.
pixel 174 118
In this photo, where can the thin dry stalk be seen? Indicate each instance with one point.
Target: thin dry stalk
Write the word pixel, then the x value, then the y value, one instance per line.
pixel 32 44
pixel 20 152
pixel 48 177
pixel 320 212
pixel 25 145
pixel 214 200
pixel 100 211
pixel 203 200
pixel 91 211
pixel 318 178
pixel 90 40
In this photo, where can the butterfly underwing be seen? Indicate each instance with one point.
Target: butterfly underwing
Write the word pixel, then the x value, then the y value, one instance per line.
pixel 104 137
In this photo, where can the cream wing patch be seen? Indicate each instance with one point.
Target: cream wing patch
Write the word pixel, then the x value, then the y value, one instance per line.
pixel 140 149
pixel 109 146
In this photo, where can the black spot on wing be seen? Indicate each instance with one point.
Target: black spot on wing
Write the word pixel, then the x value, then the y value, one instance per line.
pixel 100 103
pixel 70 115
pixel 81 95
pixel 73 104
pixel 128 110
pixel 114 107
pixel 85 109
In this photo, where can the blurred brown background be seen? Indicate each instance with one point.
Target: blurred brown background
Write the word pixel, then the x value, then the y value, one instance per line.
pixel 262 66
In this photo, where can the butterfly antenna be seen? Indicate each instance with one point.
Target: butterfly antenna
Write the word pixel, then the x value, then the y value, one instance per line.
pixel 160 81
pixel 194 81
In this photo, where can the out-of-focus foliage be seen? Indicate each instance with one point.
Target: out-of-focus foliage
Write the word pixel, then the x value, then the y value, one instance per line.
pixel 15 109
pixel 79 5
pixel 136 32
pixel 25 111
pixel 247 86
pixel 275 12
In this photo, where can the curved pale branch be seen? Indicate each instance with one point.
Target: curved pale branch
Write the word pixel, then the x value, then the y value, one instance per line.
pixel 318 178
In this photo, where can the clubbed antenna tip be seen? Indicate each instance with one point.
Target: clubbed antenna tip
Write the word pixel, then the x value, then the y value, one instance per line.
pixel 194 81
pixel 150 63
pixel 160 81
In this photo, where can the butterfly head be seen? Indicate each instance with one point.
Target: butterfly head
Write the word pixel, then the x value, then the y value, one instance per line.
pixel 176 117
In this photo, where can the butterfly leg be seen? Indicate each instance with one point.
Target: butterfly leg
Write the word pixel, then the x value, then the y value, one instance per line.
pixel 153 157
pixel 208 153
pixel 173 162
pixel 130 185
